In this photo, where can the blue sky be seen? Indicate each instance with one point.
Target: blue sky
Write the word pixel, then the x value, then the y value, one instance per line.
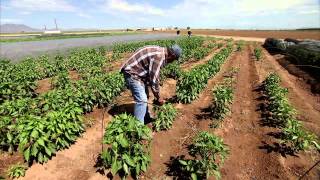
pixel 109 14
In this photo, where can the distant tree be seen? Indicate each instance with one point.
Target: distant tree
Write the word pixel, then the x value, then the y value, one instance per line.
pixel 175 27
pixel 188 27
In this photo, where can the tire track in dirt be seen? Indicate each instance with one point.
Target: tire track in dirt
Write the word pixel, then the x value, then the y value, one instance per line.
pixel 78 161
pixel 243 134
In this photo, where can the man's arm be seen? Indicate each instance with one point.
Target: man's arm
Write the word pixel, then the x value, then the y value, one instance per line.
pixel 156 64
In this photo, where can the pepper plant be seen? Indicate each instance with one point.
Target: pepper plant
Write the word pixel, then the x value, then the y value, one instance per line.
pixel 284 116
pixel 258 53
pixel 208 153
pixel 222 98
pixel 191 83
pixel 128 152
pixel 165 116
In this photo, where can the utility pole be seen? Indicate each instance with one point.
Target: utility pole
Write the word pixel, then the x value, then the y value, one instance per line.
pixel 55 21
pixel 45 27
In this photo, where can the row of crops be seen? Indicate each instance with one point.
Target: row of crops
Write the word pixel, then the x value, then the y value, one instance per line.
pixel 283 115
pixel 39 125
pixel 128 140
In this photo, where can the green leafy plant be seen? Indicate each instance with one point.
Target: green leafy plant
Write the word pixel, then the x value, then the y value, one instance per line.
pixel 222 98
pixel 61 81
pixel 208 152
pixel 200 53
pixel 240 45
pixel 172 70
pixel 282 114
pixel 258 53
pixel 191 83
pixel 129 150
pixel 17 170
pixel 279 106
pixel 165 116
pixel 298 138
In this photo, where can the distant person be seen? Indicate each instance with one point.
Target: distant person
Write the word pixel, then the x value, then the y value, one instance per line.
pixel 141 70
pixel 189 33
pixel 178 32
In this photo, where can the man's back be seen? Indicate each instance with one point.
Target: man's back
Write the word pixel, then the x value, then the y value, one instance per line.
pixel 145 63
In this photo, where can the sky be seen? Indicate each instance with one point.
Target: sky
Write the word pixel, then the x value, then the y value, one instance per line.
pixel 112 14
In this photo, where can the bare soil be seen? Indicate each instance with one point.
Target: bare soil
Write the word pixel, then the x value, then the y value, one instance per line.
pixel 6 160
pixel 296 34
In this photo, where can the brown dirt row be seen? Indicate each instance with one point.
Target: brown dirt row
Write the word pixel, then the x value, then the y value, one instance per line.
pixel 243 134
pixel 77 162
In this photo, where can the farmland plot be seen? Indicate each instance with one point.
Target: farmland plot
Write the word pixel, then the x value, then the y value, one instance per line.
pixel 202 82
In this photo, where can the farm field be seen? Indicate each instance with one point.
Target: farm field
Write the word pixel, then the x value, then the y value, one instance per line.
pixel 16 51
pixel 10 38
pixel 233 111
pixel 280 34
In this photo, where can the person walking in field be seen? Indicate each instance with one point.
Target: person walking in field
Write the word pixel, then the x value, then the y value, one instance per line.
pixel 141 70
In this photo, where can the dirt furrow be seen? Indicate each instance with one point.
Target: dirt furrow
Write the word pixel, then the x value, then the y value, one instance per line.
pixel 243 134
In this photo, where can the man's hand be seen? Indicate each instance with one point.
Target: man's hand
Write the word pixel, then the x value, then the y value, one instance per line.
pixel 159 102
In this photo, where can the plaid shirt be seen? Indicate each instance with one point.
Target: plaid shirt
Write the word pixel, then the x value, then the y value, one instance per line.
pixel 145 64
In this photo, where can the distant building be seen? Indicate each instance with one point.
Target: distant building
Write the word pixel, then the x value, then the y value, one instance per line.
pixel 52 32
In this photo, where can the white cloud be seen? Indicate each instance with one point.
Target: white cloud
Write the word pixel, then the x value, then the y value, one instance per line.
pixel 9 20
pixel 309 12
pixel 84 15
pixel 25 12
pixel 43 5
pixel 254 6
pixel 125 7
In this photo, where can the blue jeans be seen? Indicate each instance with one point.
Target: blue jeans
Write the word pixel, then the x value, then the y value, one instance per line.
pixel 140 95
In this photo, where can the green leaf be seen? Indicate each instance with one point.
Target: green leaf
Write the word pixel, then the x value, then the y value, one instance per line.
pixel 316 145
pixel 47 151
pixel 183 162
pixel 35 134
pixel 123 142
pixel 41 142
pixel 34 150
pixel 125 168
pixel 143 167
pixel 128 160
pixel 26 154
pixel 114 168
pixel 194 176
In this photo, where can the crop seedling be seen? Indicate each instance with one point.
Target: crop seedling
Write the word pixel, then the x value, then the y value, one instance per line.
pixel 17 170
pixel 240 45
pixel 298 138
pixel 222 96
pixel 191 83
pixel 208 152
pixel 258 53
pixel 61 81
pixel 129 151
pixel 165 116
